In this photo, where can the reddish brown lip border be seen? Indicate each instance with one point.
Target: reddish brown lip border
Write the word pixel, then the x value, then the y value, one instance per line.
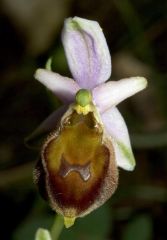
pixel 71 191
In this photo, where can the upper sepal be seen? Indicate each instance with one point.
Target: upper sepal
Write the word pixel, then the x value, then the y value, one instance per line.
pixel 87 52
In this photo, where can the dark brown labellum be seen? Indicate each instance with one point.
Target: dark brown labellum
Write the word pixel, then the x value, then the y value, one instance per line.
pixel 78 168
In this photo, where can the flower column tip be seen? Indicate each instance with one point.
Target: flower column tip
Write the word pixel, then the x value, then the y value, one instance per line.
pixel 83 100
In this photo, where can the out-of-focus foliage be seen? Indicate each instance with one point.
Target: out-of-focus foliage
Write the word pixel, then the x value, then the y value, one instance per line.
pixel 140 228
pixel 93 227
pixel 136 32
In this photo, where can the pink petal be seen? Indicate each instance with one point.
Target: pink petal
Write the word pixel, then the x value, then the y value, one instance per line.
pixel 48 125
pixel 113 92
pixel 64 88
pixel 117 130
pixel 87 52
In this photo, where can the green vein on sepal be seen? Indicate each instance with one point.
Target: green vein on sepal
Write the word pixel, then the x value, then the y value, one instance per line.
pixel 128 154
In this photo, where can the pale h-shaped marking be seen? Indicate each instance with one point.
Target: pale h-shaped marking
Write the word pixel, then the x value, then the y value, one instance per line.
pixel 83 170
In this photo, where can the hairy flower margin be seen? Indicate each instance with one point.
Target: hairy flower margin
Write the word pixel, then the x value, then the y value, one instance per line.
pixel 88 139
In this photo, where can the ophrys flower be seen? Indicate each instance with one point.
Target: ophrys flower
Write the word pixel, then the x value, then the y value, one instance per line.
pixel 88 140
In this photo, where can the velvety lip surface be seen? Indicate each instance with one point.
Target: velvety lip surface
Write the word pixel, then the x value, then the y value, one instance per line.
pixel 77 163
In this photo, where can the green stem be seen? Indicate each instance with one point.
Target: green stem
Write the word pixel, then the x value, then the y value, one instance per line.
pixel 57 227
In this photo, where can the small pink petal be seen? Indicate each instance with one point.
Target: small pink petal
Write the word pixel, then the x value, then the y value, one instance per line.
pixel 117 130
pixel 64 88
pixel 48 125
pixel 113 92
pixel 87 52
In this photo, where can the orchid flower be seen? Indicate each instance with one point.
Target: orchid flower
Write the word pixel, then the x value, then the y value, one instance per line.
pixel 88 138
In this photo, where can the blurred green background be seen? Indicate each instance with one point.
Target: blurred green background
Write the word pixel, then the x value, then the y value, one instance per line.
pixel 136 32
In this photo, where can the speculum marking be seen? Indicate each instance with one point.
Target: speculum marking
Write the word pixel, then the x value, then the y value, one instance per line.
pixel 66 168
